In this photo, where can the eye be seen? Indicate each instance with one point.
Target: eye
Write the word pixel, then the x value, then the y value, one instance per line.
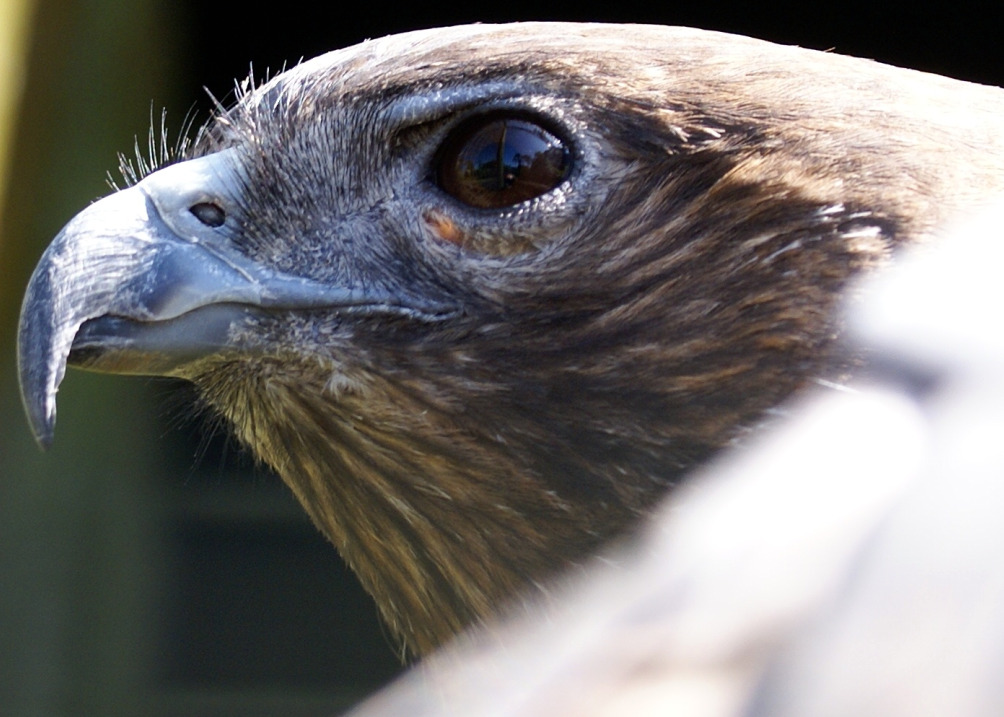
pixel 497 161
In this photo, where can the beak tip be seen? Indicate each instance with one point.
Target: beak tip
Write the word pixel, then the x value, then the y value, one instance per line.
pixel 40 407
pixel 43 435
pixel 40 369
pixel 51 314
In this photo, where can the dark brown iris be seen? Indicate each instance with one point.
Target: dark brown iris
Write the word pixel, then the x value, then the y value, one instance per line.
pixel 497 161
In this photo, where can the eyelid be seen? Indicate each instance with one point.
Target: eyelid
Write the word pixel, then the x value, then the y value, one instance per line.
pixel 437 105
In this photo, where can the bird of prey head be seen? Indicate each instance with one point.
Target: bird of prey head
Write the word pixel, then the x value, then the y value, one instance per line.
pixel 482 295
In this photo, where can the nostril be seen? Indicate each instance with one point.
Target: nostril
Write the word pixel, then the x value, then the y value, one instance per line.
pixel 210 214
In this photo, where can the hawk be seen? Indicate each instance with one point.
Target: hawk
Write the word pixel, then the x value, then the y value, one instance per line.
pixel 483 295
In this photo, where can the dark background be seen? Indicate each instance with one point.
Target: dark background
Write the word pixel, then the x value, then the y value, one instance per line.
pixel 146 566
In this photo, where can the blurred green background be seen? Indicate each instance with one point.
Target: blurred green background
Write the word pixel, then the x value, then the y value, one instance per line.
pixel 147 568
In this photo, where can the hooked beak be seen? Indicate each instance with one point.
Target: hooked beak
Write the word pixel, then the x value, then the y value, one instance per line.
pixel 143 282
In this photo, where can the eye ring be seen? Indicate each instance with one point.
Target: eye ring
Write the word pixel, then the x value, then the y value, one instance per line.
pixel 501 159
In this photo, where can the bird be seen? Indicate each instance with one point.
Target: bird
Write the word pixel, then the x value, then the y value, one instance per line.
pixel 484 296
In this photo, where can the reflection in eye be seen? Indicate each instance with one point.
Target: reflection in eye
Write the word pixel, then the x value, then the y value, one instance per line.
pixel 498 161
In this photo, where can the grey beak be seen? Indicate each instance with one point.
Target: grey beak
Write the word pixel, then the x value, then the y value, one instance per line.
pixel 139 255
pixel 143 282
pixel 138 283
